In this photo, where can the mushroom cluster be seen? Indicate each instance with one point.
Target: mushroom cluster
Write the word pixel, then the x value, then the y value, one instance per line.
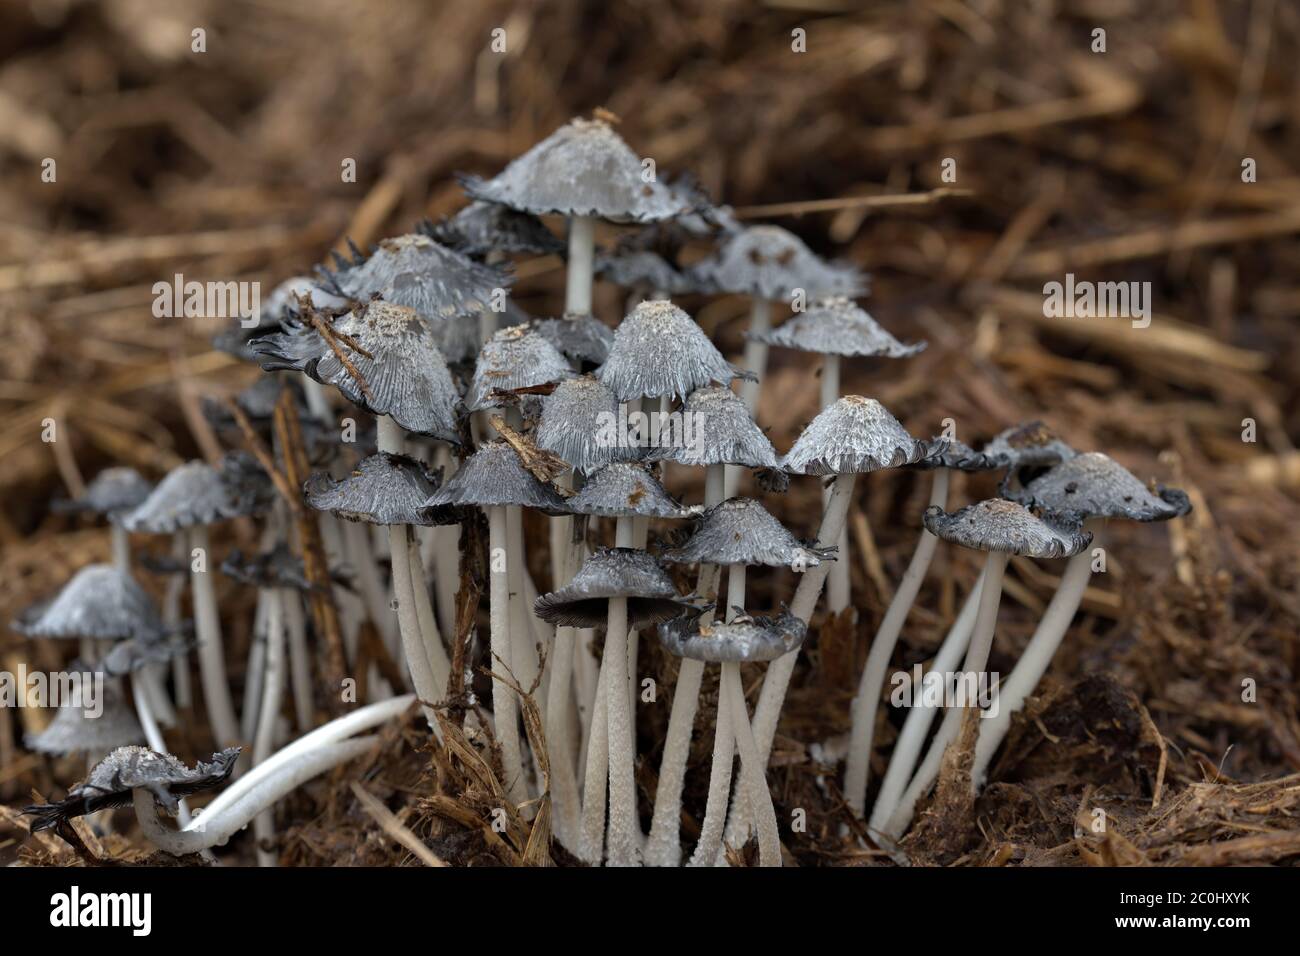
pixel 545 463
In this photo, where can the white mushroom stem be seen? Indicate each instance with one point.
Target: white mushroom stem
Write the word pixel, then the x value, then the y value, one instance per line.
pixel 595 786
pixel 211 829
pixel 1037 655
pixel 770 699
pixel 272 689
pixel 753 780
pixel 882 648
pixel 582 256
pixel 564 784
pixel 664 846
pixel 838 587
pixel 586 676
pixel 356 540
pixel 171 617
pixel 152 734
pixel 523 645
pixel 253 669
pixel 121 548
pixel 755 357
pixel 299 660
pixel 977 658
pixel 505 707
pixel 624 841
pixel 715 806
pixel 212 659
pixel 912 737
pixel 435 651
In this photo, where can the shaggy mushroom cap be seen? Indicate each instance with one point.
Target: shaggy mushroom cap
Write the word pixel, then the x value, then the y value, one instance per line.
pixel 1000 525
pixel 582 169
pixel 414 271
pixel 110 782
pixel 659 350
pixel 837 326
pixel 196 493
pixel 405 372
pixel 281 303
pixel 73 731
pixel 627 490
pixel 1095 485
pixel 579 422
pixel 113 490
pixel 384 489
pixel 960 457
pixel 494 476
pixel 101 601
pixel 769 262
pixel 742 640
pixel 1028 444
pixel 579 338
pixel 612 573
pixel 515 357
pixel 741 531
pixel 856 435
pixel 484 227
pixel 644 269
pixel 126 657
pixel 721 432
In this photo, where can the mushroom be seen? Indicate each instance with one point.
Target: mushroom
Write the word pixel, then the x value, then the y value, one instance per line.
pixel 113 491
pixel 1001 528
pixel 737 532
pixel 1099 488
pixel 192 497
pixel 101 602
pixel 583 340
pixel 618 587
pixel 583 171
pixel 283 301
pixel 741 639
pixel 494 479
pixel 958 457
pixel 483 229
pixel 76 729
pixel 768 264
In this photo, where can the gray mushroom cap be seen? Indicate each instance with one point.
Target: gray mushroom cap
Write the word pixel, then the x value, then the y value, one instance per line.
pixel 582 169
pixel 113 490
pixel 837 326
pixel 494 476
pixel 659 350
pixel 960 457
pixel 644 269
pixel 406 373
pixel 1028 444
pixel 1095 485
pixel 73 730
pixel 579 422
pixel 485 227
pixel 856 435
pixel 1000 525
pixel 721 432
pixel 625 490
pixel 110 782
pixel 414 271
pixel 769 262
pixel 384 489
pixel 745 639
pixel 515 357
pixel 282 302
pixel 129 656
pixel 101 602
pixel 742 531
pixel 196 493
pixel 612 573
pixel 580 338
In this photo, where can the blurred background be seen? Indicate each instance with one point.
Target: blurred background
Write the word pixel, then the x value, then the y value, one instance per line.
pixel 1122 165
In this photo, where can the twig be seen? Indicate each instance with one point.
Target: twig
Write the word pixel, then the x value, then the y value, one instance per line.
pixel 849 202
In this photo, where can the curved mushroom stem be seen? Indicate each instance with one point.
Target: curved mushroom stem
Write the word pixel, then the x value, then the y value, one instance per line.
pixel 591 841
pixel 439 664
pixel 715 807
pixel 505 708
pixel 912 737
pixel 211 828
pixel 977 658
pixel 152 734
pixel 664 846
pixel 777 680
pixel 753 780
pixel 624 841
pixel 212 660
pixel 1037 655
pixel 882 648
pixel 272 687
pixel 582 254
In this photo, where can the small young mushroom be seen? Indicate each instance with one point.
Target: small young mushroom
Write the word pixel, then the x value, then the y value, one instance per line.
pixel 516 357
pixel 89 725
pixel 770 264
pixel 583 171
pixel 741 639
pixel 113 491
pixel 101 602
pixel 619 588
pixel 1099 488
pixel 737 532
pixel 1000 528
